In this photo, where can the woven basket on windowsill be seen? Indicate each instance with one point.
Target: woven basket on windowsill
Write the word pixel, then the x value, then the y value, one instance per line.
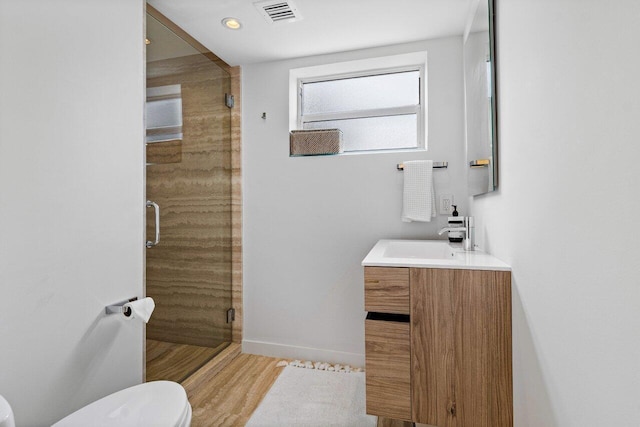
pixel 315 142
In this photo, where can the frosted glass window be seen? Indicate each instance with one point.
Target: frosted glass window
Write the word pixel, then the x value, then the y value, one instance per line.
pixel 362 93
pixel 374 133
pixel 164 113
pixel 381 110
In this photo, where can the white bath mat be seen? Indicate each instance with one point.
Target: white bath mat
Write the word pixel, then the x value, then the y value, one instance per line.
pixel 314 398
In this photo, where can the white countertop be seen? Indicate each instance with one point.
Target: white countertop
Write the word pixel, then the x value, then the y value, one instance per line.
pixel 430 254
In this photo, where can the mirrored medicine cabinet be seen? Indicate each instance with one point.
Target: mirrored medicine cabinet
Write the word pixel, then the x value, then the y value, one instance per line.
pixel 479 59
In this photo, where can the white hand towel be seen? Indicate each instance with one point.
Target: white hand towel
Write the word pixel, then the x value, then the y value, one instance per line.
pixel 418 202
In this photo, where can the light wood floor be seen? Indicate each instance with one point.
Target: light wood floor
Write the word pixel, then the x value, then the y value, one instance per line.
pixel 229 398
pixel 176 362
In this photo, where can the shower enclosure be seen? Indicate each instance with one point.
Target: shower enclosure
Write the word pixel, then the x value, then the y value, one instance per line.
pixel 188 272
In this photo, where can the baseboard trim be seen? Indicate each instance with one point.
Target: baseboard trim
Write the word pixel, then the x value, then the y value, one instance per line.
pixel 302 353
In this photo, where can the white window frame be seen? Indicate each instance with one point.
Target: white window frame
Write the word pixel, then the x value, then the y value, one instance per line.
pixel 373 66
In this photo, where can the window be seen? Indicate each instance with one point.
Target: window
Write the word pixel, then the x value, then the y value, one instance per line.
pixel 164 113
pixel 376 110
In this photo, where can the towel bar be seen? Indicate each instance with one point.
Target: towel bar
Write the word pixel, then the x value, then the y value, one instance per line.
pixel 479 163
pixel 436 165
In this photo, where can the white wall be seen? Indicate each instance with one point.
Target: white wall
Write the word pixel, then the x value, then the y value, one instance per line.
pixel 309 222
pixel 71 201
pixel 565 215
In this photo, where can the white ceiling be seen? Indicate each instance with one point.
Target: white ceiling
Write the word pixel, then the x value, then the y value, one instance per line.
pixel 327 26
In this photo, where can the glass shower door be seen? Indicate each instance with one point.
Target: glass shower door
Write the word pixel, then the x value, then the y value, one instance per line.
pixel 189 176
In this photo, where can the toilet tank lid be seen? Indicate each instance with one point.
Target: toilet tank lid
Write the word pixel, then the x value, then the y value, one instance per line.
pixel 157 403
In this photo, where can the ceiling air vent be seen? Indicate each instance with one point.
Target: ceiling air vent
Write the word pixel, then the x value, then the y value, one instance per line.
pixel 276 11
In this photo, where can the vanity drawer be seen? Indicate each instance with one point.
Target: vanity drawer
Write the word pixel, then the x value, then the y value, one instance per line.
pixel 388 365
pixel 386 290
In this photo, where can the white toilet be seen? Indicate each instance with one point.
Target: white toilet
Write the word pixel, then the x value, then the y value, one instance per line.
pixel 156 403
pixel 6 414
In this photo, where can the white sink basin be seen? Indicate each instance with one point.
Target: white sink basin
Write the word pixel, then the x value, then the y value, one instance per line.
pixel 430 249
pixel 429 254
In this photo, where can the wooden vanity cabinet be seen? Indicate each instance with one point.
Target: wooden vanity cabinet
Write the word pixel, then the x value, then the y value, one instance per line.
pixel 460 349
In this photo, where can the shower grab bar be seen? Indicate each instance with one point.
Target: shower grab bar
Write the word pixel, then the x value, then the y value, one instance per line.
pixel 156 209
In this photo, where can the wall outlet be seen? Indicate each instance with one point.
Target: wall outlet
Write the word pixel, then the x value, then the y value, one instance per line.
pixel 445 202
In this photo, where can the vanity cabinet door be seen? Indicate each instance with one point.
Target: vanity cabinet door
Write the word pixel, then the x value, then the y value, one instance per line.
pixel 388 368
pixel 433 323
pixel 461 347
pixel 485 396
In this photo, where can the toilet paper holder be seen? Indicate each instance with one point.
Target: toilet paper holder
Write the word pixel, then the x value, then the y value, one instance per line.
pixel 118 308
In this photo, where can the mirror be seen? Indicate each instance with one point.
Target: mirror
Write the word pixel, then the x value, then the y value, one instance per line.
pixel 480 98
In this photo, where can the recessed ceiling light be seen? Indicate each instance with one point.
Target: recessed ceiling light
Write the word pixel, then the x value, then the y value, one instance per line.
pixel 231 23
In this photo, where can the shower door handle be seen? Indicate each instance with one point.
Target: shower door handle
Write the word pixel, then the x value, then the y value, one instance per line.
pixel 156 209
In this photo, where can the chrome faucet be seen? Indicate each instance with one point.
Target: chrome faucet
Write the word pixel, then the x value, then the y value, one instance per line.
pixel 469 230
